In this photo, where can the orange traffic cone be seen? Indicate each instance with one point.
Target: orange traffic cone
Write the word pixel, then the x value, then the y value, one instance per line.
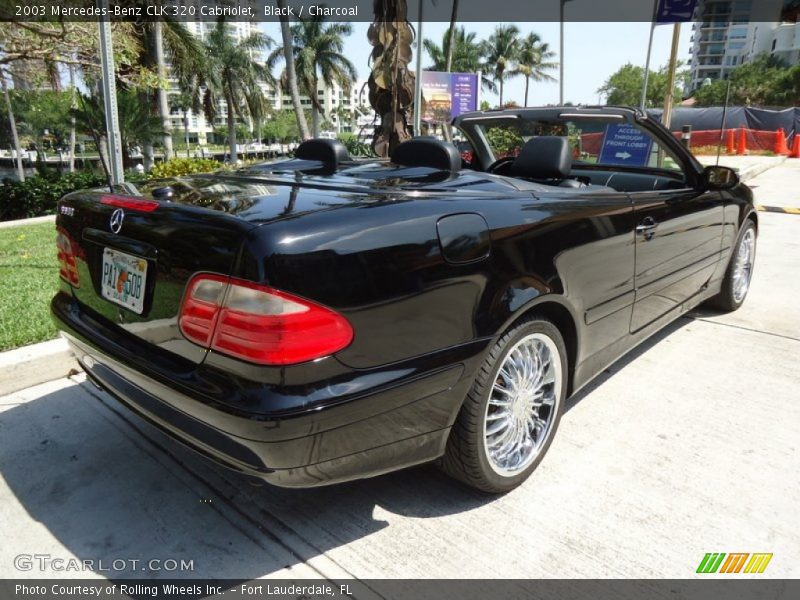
pixel 795 146
pixel 730 141
pixel 780 142
pixel 741 147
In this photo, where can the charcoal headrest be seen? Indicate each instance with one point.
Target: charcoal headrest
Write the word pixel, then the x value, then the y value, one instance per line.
pixel 543 157
pixel 427 152
pixel 330 152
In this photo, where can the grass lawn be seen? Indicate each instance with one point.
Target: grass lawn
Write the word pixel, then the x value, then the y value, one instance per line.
pixel 28 280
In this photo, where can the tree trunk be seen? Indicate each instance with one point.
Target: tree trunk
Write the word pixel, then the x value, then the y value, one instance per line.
pixel 72 120
pixel 291 74
pixel 186 132
pixel 315 120
pixel 501 91
pixel 391 82
pixel 13 123
pixel 163 103
pixel 527 81
pixel 148 156
pixel 231 129
pixel 102 150
pixel 451 36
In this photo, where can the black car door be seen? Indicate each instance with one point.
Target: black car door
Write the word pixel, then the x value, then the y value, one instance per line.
pixel 677 240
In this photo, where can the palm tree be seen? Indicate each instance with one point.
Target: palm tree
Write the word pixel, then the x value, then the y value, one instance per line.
pixel 465 58
pixel 13 123
pixel 451 34
pixel 500 51
pixel 183 103
pixel 291 74
pixel 317 48
pixel 169 41
pixel 137 124
pixel 233 75
pixel 391 82
pixel 533 60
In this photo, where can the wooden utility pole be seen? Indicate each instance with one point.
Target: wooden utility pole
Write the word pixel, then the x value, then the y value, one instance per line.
pixel 669 100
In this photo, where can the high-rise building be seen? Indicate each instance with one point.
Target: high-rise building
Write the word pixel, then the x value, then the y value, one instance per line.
pixel 725 36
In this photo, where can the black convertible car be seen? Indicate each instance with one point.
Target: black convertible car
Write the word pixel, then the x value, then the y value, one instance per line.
pixel 320 319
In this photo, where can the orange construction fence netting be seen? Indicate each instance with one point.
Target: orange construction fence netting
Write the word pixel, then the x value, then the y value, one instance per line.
pixel 734 141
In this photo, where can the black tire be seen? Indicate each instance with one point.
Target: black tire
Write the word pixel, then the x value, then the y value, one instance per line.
pixel 466 457
pixel 726 299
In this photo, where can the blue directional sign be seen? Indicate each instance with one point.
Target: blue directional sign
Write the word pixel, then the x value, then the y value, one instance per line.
pixel 624 144
pixel 674 11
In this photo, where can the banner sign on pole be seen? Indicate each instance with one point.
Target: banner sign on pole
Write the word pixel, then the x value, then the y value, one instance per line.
pixel 625 145
pixel 674 11
pixel 447 95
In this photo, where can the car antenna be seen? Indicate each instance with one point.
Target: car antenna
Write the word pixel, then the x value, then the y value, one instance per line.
pixel 724 114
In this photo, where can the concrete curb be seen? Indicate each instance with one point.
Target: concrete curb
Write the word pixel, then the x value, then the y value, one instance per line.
pixel 31 365
pixel 755 170
pixel 23 222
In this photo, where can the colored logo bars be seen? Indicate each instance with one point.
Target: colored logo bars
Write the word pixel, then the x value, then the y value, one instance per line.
pixel 716 562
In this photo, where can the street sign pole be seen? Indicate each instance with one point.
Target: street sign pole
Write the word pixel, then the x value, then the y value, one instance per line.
pixel 643 103
pixel 110 99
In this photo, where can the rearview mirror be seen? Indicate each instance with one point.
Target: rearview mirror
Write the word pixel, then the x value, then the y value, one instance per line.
pixel 720 178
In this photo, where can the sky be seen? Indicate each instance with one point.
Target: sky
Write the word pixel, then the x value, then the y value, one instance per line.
pixel 592 53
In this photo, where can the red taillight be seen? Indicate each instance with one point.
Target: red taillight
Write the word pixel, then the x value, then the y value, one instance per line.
pixel 67 269
pixel 130 203
pixel 259 324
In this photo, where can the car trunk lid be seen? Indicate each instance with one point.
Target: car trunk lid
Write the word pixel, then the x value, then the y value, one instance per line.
pixel 128 260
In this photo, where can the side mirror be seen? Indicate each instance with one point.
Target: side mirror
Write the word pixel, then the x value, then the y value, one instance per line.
pixel 720 178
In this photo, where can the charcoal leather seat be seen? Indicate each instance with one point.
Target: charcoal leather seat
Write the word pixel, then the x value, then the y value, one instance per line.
pixel 330 152
pixel 427 152
pixel 546 159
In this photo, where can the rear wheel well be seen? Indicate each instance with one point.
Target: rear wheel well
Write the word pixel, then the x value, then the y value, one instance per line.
pixel 562 319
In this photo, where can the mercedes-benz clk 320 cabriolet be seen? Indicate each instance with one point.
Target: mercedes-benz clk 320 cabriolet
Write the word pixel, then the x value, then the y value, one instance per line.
pixel 319 319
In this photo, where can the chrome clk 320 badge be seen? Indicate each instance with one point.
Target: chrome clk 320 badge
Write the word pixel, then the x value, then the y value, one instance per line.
pixel 67 210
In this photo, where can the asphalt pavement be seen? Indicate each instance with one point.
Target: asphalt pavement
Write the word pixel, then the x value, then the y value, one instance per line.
pixel 688 445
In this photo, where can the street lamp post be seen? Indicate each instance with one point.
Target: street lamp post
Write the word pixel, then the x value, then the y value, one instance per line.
pixel 561 54
pixel 418 78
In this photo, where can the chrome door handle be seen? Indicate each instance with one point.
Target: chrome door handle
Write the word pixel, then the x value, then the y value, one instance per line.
pixel 647 228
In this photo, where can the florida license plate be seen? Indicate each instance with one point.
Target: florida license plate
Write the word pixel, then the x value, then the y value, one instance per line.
pixel 124 277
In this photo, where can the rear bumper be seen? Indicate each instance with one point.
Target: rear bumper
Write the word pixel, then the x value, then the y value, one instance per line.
pixel 401 420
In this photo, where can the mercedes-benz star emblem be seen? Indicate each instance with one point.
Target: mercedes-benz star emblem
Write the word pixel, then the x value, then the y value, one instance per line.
pixel 116 220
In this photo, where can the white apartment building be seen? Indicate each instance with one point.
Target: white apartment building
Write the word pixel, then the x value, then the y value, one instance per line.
pixel 724 37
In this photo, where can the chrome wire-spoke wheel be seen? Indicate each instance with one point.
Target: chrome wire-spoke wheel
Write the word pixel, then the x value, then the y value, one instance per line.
pixel 743 265
pixel 523 404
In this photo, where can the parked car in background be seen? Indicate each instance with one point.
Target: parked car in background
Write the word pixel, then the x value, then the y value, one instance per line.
pixel 319 319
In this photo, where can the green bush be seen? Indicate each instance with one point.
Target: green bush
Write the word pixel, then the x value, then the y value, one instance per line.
pixel 355 147
pixel 504 141
pixel 38 195
pixel 183 166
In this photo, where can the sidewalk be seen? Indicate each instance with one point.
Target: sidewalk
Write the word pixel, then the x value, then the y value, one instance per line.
pixel 31 221
pixel 747 166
